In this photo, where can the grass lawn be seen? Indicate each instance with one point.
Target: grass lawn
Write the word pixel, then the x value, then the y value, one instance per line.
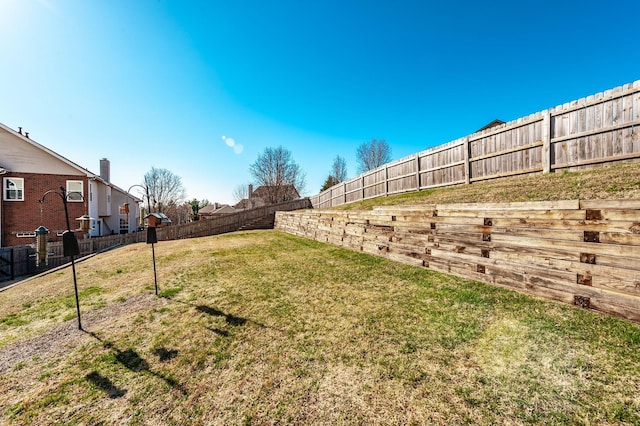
pixel 267 328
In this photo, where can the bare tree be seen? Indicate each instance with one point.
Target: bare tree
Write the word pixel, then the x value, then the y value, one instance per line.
pixel 178 212
pixel 373 154
pixel 276 171
pixel 240 192
pixel 339 169
pixel 164 188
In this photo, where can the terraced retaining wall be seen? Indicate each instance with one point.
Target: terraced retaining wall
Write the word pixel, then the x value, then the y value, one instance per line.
pixel 585 253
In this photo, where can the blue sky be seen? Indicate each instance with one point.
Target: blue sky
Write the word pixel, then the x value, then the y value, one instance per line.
pixel 202 87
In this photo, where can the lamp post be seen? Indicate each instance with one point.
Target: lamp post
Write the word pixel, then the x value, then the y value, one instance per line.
pixel 69 244
pixel 152 237
pixel 146 191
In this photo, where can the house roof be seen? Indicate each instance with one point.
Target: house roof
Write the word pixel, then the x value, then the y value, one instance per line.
pixel 211 209
pixel 224 209
pixel 54 154
pixel 208 209
pixel 65 160
pixel 494 123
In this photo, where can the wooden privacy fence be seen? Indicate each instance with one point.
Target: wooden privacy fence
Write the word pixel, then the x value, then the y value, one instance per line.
pixel 89 246
pixel 596 130
pixel 585 253
pixel 246 219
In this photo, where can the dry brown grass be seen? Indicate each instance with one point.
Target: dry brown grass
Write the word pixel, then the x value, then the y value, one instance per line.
pixel 267 328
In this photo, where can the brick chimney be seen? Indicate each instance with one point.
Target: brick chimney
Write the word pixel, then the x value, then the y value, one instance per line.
pixel 105 169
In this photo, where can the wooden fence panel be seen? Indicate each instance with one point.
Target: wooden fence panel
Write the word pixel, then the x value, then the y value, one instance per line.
pixel 510 149
pixel 353 190
pixel 375 183
pixel 337 195
pixel 599 129
pixel 402 176
pixel 442 166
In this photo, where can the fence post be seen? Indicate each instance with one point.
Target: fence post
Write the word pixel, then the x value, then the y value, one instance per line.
pixel 467 163
pixel 417 171
pixel 362 185
pixel 386 180
pixel 546 141
pixel 344 191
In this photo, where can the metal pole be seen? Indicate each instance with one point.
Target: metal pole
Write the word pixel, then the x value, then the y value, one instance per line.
pixel 75 287
pixel 66 211
pixel 153 250
pixel 73 263
pixel 155 278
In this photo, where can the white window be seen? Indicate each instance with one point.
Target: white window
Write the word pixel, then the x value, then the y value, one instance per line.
pixel 25 234
pixel 13 189
pixel 74 190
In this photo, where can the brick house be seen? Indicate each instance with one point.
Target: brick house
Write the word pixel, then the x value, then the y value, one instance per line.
pixel 28 170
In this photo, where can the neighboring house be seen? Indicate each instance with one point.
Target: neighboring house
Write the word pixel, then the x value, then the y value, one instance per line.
pixel 28 170
pixel 262 194
pixel 494 123
pixel 214 210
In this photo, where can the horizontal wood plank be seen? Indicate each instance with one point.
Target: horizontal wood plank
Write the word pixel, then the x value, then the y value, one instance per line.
pixel 556 250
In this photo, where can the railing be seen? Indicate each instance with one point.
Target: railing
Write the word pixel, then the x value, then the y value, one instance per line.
pixel 16 262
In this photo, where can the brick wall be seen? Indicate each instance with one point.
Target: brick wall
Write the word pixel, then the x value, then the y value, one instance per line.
pixel 27 215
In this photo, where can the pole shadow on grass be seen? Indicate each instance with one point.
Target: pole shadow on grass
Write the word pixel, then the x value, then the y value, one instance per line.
pixel 131 360
pixel 230 319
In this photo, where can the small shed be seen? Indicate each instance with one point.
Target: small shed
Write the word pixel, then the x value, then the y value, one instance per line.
pixel 157 220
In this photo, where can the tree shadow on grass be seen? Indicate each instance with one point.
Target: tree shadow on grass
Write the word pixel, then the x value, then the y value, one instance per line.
pixel 131 360
pixel 230 319
pixel 102 382
pixel 165 354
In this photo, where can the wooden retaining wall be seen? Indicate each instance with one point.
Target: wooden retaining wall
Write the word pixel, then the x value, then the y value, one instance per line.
pixel 585 253
pixel 597 130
